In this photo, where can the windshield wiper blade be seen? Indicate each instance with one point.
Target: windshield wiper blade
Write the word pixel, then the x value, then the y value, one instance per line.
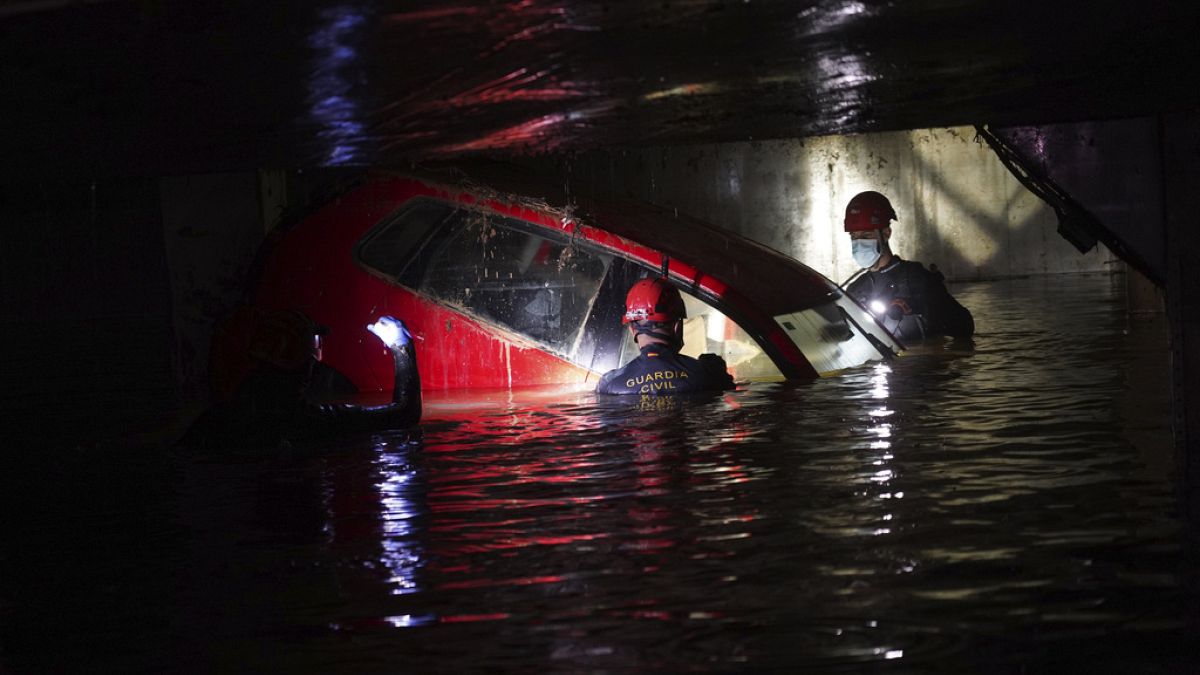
pixel 884 350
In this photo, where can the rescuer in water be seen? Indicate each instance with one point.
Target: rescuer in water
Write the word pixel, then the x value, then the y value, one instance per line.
pixel 654 313
pixel 909 300
pixel 263 364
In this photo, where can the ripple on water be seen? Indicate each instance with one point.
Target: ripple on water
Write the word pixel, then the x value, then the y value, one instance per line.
pixel 980 510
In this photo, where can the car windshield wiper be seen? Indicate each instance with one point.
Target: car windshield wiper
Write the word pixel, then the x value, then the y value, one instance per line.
pixel 879 345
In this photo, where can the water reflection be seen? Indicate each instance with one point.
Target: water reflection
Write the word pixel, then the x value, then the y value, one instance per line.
pixel 400 493
pixel 950 511
pixel 840 72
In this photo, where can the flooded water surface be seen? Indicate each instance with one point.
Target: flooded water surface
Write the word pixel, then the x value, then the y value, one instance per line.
pixel 1006 506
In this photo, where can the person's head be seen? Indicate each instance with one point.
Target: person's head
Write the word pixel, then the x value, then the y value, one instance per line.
pixel 252 340
pixel 868 218
pixel 654 313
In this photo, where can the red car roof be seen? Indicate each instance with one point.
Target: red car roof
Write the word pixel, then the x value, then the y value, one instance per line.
pixel 770 281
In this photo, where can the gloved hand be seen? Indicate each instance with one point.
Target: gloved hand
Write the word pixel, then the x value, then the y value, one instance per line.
pixel 391 332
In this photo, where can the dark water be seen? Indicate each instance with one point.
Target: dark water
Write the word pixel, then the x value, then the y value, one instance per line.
pixel 1004 509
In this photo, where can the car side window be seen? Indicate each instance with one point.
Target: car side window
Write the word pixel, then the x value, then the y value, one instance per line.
pixel 389 246
pixel 708 330
pixel 705 330
pixel 502 270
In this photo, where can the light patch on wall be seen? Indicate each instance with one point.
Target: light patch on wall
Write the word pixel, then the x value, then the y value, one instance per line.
pixel 948 202
pixel 735 184
pixel 959 206
pixel 844 175
pixel 824 253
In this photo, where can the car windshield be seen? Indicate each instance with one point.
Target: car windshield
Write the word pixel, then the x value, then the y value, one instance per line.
pixel 834 335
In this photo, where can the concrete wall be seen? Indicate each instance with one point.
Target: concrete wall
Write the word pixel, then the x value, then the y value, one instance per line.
pixel 958 206
pixel 212 226
pixel 1114 168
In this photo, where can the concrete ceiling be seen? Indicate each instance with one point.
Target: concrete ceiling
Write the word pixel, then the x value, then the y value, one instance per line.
pixel 154 87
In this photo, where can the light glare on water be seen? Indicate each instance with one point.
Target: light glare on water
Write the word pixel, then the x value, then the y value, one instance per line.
pixel 961 509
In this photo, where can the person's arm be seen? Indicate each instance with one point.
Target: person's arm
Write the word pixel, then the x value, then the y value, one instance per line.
pixel 405 407
pixel 610 383
pixel 945 314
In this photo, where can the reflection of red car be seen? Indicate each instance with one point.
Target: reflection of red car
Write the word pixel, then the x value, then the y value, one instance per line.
pixel 503 289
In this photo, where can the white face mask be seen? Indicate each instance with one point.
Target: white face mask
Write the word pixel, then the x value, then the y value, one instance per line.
pixel 866 252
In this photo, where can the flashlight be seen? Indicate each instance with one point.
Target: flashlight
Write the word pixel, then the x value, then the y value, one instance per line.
pixel 894 311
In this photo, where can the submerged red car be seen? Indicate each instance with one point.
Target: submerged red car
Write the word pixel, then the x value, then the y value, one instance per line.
pixel 504 282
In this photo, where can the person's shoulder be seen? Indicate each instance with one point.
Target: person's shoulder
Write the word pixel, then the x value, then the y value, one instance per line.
pixel 605 385
pixel 917 265
pixel 608 377
pixel 610 382
pixel 914 268
pixel 862 285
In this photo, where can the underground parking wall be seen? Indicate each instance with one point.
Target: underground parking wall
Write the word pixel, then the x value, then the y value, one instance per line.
pixel 144 266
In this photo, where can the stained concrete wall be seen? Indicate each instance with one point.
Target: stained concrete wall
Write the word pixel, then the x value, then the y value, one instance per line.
pixel 213 225
pixel 958 205
pixel 1114 168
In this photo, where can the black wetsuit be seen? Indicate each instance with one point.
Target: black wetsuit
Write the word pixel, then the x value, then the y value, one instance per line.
pixel 661 370
pixel 271 406
pixel 919 304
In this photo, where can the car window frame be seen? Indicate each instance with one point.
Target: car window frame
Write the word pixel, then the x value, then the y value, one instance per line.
pixel 440 236
pixel 434 242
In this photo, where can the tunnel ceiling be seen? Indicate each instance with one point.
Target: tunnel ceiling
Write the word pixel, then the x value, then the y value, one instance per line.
pixel 166 87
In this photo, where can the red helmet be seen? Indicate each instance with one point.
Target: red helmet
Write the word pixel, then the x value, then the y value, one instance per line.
pixel 868 211
pixel 654 300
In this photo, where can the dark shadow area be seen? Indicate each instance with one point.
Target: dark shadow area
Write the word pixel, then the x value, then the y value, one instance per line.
pixel 86 307
pixel 174 88
pixel 998 508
